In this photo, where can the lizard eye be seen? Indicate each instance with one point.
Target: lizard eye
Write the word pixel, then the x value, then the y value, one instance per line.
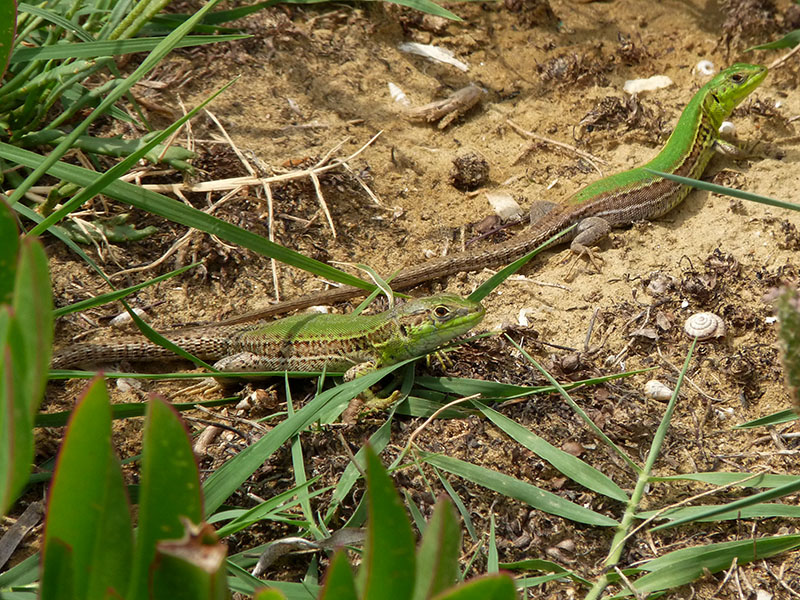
pixel 737 78
pixel 441 311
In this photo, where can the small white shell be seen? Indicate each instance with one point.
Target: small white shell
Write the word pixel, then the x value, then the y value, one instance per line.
pixel 434 53
pixel 124 318
pixel 705 68
pixel 398 95
pixel 704 326
pixel 657 391
pixel 727 128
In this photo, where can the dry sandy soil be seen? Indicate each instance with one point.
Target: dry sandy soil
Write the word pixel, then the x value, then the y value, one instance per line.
pixel 312 80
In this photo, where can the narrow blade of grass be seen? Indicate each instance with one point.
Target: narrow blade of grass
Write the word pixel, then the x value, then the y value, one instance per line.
pixel 566 463
pixel 520 490
pixel 720 189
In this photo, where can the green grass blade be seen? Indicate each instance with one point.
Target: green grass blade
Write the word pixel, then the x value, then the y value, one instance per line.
pixel 747 479
pixel 95 49
pixel 8 29
pixel 684 566
pixel 149 63
pixel 578 410
pixel 178 212
pixel 506 272
pixel 720 189
pixel 790 40
pixel 782 416
pixel 756 511
pixel 126 411
pixel 56 19
pixel 520 490
pixel 118 294
pixel 566 463
pixel 777 492
pixel 224 481
pixel 377 441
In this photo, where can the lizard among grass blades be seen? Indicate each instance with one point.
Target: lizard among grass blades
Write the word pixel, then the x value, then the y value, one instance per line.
pixel 612 201
pixel 354 344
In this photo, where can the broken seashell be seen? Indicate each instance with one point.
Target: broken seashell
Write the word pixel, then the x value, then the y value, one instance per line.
pixel 657 391
pixel 504 205
pixel 704 326
pixel 656 82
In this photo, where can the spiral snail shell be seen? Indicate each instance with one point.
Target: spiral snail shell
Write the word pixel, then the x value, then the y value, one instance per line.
pixel 704 326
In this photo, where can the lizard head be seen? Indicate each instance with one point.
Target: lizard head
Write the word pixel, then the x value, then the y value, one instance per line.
pixel 426 323
pixel 729 87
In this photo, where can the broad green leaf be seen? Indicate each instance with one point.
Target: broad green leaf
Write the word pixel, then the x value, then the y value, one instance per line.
pixel 33 309
pixel 437 555
pixel 269 594
pixel 16 431
pixel 387 566
pixel 88 510
pixel 58 581
pixel 169 492
pixel 514 488
pixel 488 587
pixel 190 568
pixel 340 584
pixel 566 463
pixel 686 565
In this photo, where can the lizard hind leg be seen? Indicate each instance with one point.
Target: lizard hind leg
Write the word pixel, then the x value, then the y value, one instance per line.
pixel 367 401
pixel 589 231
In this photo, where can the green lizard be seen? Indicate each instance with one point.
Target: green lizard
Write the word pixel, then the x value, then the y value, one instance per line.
pixel 311 342
pixel 612 201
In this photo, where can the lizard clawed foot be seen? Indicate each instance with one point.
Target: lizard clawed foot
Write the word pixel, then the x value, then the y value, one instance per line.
pixel 580 251
pixel 207 387
pixel 366 403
